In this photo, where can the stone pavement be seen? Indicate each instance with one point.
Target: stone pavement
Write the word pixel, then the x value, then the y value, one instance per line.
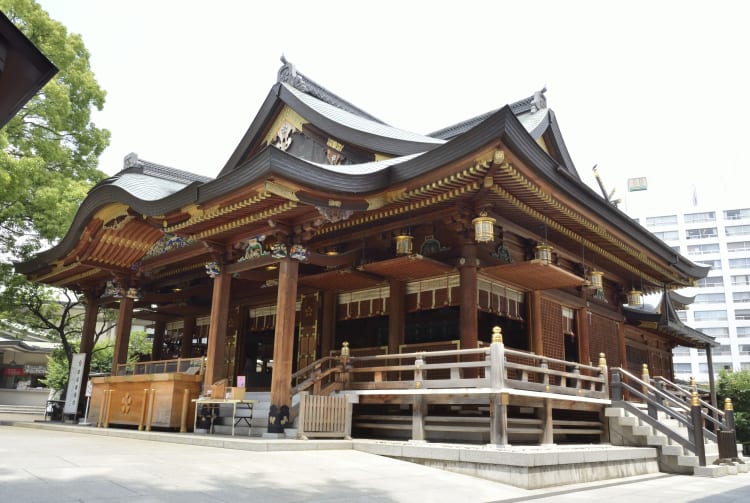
pixel 62 466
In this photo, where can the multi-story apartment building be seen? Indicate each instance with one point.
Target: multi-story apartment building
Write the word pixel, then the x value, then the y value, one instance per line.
pixel 719 238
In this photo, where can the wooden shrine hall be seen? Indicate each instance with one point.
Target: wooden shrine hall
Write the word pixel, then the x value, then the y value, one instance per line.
pixel 328 228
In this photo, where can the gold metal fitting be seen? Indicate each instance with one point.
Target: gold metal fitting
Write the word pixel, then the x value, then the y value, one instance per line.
pixel 692 381
pixel 694 399
pixel 728 404
pixel 644 370
pixel 497 334
pixel 602 360
pixel 344 349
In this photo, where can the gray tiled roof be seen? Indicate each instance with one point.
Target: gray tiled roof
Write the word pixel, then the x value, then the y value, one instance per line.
pixel 357 122
pixel 150 181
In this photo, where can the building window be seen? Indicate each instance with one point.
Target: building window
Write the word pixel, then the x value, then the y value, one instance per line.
pixel 716 331
pixel 682 315
pixel 662 220
pixel 743 331
pixel 741 280
pixel 709 298
pixel 668 235
pixel 737 230
pixel 742 314
pixel 739 246
pixel 744 349
pixel 680 351
pixel 741 296
pixel 694 218
pixel 705 232
pixel 712 282
pixel 715 265
pixel 710 315
pixel 736 214
pixel 745 365
pixel 723 350
pixel 703 368
pixel 682 368
pixel 739 263
pixel 703 249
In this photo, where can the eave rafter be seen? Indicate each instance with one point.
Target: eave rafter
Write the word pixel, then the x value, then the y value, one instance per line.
pixel 565 215
pixel 202 215
pixel 398 203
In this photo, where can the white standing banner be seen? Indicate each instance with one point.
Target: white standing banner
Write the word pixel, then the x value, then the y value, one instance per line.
pixel 74 383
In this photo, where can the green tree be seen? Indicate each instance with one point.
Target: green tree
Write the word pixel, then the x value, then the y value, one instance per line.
pixel 736 386
pixel 49 151
pixel 48 161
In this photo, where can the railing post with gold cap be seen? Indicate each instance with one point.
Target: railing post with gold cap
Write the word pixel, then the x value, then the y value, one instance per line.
pixel 728 414
pixel 498 400
pixel 497 360
pixel 697 430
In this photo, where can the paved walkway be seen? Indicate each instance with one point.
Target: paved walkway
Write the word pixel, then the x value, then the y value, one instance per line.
pixel 40 465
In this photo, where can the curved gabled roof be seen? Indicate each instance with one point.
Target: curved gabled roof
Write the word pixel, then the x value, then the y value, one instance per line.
pixel 666 320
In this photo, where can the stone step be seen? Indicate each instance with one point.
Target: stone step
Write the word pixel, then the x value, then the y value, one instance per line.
pixel 642 430
pixel 22 409
pixel 656 440
pixel 672 450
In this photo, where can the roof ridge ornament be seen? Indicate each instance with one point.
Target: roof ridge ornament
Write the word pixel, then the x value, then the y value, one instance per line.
pixel 289 75
pixel 539 101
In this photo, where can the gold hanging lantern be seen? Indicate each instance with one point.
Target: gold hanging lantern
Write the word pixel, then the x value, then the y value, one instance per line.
pixel 597 281
pixel 635 298
pixel 484 228
pixel 404 244
pixel 544 254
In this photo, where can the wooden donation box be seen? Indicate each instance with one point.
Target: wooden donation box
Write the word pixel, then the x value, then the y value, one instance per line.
pixel 144 400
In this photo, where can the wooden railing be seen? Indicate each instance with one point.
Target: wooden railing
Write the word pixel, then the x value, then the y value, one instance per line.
pixel 493 369
pixel 690 415
pixel 194 366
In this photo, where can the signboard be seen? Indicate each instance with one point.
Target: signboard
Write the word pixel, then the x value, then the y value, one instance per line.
pixel 636 184
pixel 74 384
pixel 13 371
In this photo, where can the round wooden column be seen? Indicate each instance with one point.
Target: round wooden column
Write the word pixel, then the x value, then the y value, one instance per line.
pixel 216 367
pixel 283 346
pixel 122 339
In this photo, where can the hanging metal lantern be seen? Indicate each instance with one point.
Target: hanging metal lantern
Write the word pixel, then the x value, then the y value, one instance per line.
pixel 635 298
pixel 544 254
pixel 404 244
pixel 597 280
pixel 484 228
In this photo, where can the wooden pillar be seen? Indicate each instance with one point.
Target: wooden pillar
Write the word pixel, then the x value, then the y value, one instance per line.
pixel 535 322
pixel 122 339
pixel 186 344
pixel 621 347
pixel 582 331
pixel 217 330
pixel 283 346
pixel 396 315
pixel 468 315
pixel 88 333
pixel 328 322
pixel 468 320
pixel 160 328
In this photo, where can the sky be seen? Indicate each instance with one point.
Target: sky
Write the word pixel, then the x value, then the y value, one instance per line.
pixel 640 88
